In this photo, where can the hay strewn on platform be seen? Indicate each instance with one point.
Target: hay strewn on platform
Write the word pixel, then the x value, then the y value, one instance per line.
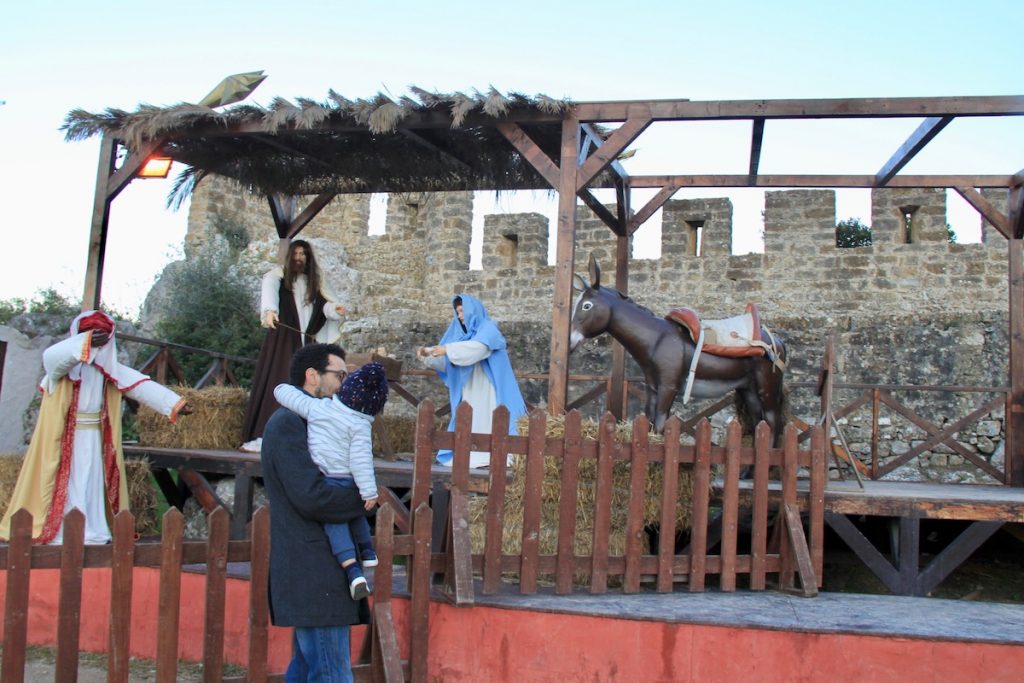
pixel 216 421
pixel 585 497
pixel 141 494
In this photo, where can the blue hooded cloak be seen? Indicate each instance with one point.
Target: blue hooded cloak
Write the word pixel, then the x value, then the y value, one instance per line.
pixel 480 328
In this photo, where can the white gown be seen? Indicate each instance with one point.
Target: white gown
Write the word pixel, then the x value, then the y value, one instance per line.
pixel 330 333
pixel 86 486
pixel 478 391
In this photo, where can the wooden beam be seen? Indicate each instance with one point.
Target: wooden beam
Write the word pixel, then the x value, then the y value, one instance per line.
pixel 623 201
pixel 120 178
pixel 843 108
pixel 610 149
pixel 924 134
pixel 565 252
pixel 540 161
pixel 986 209
pixel 825 181
pixel 601 211
pixel 282 210
pixel 593 138
pixel 309 213
pixel 616 397
pixel 655 203
pixel 1015 204
pixel 99 223
pixel 756 138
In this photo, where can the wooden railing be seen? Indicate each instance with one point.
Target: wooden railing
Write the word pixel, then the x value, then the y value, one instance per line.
pixel 162 363
pixel 788 556
pixel 380 659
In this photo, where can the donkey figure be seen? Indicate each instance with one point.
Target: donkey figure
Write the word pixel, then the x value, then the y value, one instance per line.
pixel 664 350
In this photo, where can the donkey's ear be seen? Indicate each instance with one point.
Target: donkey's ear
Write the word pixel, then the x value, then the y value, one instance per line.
pixel 578 283
pixel 595 272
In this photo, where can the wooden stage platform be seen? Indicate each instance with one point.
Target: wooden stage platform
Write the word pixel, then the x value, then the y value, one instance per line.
pixel 985 508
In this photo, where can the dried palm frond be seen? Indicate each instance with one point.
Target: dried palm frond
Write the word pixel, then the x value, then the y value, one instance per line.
pixel 280 114
pixel 460 106
pixel 385 118
pixel 494 103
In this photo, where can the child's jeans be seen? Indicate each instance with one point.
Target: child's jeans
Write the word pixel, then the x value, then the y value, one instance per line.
pixel 345 538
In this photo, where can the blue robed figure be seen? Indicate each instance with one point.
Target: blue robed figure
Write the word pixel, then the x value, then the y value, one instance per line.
pixel 472 360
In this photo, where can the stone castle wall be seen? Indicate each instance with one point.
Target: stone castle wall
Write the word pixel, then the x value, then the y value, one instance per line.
pixel 908 309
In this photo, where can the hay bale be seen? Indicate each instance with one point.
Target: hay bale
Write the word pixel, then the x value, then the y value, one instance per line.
pixel 142 498
pixel 398 430
pixel 585 497
pixel 215 423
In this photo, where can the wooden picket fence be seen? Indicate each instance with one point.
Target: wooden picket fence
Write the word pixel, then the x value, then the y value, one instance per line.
pixel 380 659
pixel 773 495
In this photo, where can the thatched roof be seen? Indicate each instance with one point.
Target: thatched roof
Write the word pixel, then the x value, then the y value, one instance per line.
pixel 420 142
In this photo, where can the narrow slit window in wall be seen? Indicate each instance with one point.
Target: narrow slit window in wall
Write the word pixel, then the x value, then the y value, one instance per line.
pixel 909 229
pixel 508 249
pixel 698 236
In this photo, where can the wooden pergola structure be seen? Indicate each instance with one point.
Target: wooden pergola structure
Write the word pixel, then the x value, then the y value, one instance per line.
pixel 492 142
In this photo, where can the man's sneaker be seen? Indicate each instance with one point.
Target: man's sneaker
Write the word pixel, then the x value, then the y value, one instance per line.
pixel 357 585
pixel 368 558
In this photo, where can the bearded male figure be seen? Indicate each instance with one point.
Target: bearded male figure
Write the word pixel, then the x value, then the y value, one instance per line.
pixel 75 458
pixel 296 310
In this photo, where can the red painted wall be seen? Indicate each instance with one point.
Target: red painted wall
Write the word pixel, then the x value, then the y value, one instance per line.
pixel 491 644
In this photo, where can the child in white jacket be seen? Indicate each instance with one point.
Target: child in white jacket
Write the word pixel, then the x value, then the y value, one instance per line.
pixel 341 446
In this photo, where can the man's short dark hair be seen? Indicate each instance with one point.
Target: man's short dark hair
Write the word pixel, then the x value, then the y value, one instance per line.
pixel 312 356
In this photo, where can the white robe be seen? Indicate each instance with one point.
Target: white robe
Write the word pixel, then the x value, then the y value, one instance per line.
pixel 478 391
pixel 330 333
pixel 86 487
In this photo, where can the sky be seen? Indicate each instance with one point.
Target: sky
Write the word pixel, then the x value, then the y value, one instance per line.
pixel 56 56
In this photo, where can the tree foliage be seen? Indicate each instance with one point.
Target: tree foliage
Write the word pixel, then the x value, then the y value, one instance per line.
pixel 211 307
pixel 851 232
pixel 47 302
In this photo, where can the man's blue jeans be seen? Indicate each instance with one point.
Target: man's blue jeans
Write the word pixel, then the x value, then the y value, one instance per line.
pixel 320 655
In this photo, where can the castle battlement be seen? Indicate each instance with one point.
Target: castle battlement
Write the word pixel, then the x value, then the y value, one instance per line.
pixel 424 256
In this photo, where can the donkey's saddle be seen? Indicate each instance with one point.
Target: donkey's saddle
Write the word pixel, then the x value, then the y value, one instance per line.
pixel 736 337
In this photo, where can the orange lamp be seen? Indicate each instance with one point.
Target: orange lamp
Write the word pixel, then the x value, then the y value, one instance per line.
pixel 156 167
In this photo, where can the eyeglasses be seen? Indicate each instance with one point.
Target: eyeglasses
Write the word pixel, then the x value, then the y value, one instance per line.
pixel 341 374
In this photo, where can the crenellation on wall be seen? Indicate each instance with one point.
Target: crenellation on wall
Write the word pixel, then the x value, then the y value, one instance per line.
pixel 682 219
pixel 800 222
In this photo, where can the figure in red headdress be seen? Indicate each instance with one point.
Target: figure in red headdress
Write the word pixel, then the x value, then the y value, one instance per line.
pixel 75 458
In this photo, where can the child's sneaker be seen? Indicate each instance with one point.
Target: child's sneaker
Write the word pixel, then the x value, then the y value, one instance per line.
pixel 368 558
pixel 357 585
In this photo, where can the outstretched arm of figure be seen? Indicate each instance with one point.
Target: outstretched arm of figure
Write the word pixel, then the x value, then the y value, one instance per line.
pixel 161 399
pixel 466 352
pixel 295 400
pixel 269 304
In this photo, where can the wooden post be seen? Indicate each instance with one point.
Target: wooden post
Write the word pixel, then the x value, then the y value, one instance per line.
pixel 565 253
pixel 1014 463
pixel 617 390
pixel 99 223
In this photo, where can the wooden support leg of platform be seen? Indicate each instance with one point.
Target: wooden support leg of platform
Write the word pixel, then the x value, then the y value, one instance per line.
pixel 906 577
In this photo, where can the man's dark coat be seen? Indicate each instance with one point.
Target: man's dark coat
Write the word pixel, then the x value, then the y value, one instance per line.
pixel 307 586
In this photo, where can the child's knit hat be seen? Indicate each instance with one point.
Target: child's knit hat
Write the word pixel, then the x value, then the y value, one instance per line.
pixel 365 390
